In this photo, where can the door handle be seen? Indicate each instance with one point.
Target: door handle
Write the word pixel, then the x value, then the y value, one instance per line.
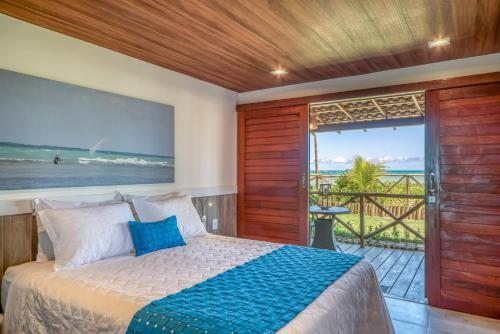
pixel 431 198
pixel 432 184
pixel 303 180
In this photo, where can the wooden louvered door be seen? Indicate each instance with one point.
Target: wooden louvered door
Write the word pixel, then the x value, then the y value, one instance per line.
pixel 272 174
pixel 463 155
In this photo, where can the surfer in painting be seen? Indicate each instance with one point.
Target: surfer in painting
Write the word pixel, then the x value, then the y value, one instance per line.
pixel 57 159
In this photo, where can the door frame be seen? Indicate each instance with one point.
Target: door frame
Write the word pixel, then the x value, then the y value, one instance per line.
pixel 432 180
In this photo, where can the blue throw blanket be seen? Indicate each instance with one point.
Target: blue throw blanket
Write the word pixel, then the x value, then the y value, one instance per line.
pixel 260 296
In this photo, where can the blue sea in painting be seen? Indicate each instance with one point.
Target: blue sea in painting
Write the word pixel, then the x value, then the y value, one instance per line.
pixel 33 167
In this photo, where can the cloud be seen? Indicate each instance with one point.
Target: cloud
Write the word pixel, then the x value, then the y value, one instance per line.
pixel 339 159
pixel 336 160
pixel 385 158
pixel 390 158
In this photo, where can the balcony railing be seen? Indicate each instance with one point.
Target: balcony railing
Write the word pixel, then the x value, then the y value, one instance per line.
pixel 371 204
pixel 408 180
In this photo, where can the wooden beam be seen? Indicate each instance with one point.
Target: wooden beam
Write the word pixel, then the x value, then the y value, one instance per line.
pixel 379 109
pixel 344 111
pixel 386 123
pixel 416 103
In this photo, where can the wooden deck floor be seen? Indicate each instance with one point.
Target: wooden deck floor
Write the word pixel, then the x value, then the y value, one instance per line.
pixel 400 272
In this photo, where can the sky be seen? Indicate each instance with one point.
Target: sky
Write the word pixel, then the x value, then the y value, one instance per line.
pixel 36 111
pixel 400 149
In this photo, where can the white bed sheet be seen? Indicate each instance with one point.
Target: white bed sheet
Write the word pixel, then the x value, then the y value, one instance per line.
pixel 102 297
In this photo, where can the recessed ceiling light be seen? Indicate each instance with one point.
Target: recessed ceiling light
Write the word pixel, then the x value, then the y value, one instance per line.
pixel 438 42
pixel 279 71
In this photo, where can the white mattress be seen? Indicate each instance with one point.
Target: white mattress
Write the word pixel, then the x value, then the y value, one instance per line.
pixel 102 297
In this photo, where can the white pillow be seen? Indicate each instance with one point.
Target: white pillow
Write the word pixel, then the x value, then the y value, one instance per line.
pixel 85 235
pixel 152 198
pixel 45 249
pixel 188 219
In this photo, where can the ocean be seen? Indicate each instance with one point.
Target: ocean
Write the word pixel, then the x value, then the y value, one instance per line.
pixel 33 167
pixel 393 177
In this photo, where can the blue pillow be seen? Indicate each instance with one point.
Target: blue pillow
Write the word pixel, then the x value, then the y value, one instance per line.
pixel 150 237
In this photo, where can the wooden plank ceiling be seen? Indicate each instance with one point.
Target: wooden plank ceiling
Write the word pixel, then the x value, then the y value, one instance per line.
pixel 235 44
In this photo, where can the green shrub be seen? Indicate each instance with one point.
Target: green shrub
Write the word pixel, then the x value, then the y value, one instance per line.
pixel 398 232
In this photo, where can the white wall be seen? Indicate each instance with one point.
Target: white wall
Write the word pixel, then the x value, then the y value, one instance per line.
pixel 441 70
pixel 205 117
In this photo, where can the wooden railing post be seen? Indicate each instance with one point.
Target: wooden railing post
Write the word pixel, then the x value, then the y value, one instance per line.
pixel 362 221
pixel 407 188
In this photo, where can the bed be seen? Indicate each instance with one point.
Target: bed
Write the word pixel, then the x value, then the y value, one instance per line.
pixel 102 297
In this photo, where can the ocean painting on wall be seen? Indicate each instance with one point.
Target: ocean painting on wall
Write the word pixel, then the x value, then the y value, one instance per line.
pixel 57 135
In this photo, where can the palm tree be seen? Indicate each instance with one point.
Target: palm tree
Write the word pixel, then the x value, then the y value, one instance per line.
pixel 365 173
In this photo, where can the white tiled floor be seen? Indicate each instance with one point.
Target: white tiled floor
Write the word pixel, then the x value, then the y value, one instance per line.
pixel 414 318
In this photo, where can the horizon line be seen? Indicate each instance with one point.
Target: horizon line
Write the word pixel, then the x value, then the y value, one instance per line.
pixel 84 149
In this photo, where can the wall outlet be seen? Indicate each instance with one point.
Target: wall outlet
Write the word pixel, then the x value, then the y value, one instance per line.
pixel 215 224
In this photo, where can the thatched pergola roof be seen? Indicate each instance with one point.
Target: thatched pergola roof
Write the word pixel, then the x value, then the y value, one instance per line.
pixel 369 112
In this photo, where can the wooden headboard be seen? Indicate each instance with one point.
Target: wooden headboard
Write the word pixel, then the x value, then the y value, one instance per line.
pixel 18 241
pixel 18 233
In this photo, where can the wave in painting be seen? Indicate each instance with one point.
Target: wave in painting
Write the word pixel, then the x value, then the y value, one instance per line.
pixel 32 166
pixel 33 153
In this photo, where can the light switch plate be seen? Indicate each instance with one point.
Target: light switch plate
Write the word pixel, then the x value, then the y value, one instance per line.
pixel 215 224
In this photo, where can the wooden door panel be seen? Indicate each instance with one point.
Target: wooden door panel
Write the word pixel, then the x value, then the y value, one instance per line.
pixel 470 120
pixel 274 219
pixel 469 218
pixel 263 142
pixel 470 107
pixel 489 260
pixel 470 149
pixel 460 170
pixel 463 152
pixel 271 177
pixel 465 198
pixel 474 130
pixel 470 159
pixel 271 212
pixel 479 211
pixel 265 122
pixel 273 133
pixel 281 125
pixel 272 162
pixel 473 238
pixel 470 227
pixel 274 154
pixel 477 268
pixel 489 90
pixel 272 171
pixel 272 148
